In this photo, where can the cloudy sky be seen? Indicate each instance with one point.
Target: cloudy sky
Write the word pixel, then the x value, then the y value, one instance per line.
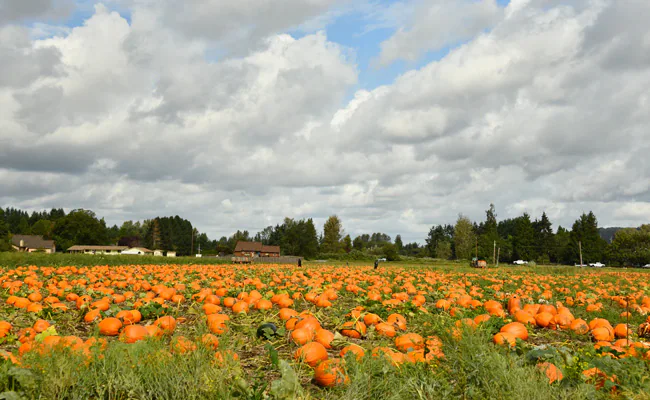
pixel 395 115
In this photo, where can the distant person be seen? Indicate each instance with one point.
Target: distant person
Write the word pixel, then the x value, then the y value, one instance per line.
pixel 376 264
pixel 300 262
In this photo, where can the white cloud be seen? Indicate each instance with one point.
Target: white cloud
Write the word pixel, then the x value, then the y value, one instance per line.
pixel 546 111
pixel 12 11
pixel 235 26
pixel 435 24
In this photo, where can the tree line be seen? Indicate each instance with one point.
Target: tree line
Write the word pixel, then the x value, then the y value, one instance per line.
pixel 83 227
pixel 513 238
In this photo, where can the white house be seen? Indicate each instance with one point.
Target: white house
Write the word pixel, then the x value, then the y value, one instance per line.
pixel 137 251
pixel 171 254
pixel 108 250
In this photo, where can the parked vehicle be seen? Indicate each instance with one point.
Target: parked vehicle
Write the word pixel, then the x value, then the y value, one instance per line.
pixel 381 259
pixel 520 262
pixel 597 265
pixel 646 266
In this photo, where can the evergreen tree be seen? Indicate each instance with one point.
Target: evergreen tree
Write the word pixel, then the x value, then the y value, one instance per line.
pixel 4 227
pixel 290 241
pixel 544 238
pixel 562 252
pixel 347 244
pixel 436 235
pixel 524 239
pixel 585 231
pixel 489 234
pixel 357 243
pixel 309 247
pixel 398 244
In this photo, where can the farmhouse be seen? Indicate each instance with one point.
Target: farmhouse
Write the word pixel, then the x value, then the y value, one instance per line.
pixel 137 251
pixel 256 249
pixel 86 249
pixel 32 244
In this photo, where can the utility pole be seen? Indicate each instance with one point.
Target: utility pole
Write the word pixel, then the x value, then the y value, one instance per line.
pixel 494 253
pixel 192 251
pixel 498 254
pixel 477 248
pixel 580 247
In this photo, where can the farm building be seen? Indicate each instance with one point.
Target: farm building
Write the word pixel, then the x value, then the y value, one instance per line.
pixel 164 253
pixel 32 244
pixel 256 249
pixel 137 251
pixel 86 249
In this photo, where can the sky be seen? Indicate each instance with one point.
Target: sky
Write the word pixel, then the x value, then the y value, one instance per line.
pixel 393 115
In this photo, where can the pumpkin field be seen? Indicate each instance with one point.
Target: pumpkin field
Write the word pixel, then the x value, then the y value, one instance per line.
pixel 322 332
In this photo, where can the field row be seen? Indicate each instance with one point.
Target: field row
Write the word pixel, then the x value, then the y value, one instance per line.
pixel 266 331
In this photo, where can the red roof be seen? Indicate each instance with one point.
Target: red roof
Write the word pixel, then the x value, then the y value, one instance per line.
pixel 256 247
pixel 248 246
pixel 271 249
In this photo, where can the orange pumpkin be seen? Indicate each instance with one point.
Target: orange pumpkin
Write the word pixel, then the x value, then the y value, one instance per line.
pixel 545 319
pixel 324 337
pixel 579 326
pixel 210 341
pixel 353 329
pixel 331 373
pixel 133 333
pixel 603 334
pixel 517 329
pixel 110 326
pixel 505 338
pixel 398 320
pixel 371 319
pixel 551 371
pixel 167 324
pixel 41 325
pixel 354 349
pixel 302 336
pixel 409 342
pixel 311 353
pixel 622 331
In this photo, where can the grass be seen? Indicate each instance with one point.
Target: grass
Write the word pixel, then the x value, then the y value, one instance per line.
pixel 473 367
pixel 13 259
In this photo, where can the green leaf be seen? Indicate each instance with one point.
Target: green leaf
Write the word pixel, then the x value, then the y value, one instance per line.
pixel 51 331
pixel 273 354
pixel 25 378
pixel 287 387
pixel 10 396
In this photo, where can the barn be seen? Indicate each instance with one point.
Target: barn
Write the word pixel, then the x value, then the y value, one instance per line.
pixel 255 249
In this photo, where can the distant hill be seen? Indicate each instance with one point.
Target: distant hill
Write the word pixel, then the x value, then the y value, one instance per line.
pixel 608 233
